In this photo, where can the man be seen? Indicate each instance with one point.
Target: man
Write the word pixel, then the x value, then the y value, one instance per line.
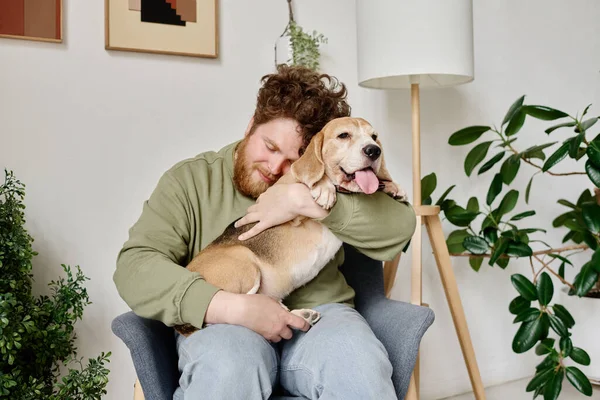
pixel 253 347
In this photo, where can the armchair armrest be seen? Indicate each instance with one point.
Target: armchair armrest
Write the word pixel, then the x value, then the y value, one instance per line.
pixel 152 347
pixel 398 325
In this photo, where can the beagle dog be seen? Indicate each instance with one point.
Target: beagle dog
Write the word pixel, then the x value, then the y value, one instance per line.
pixel 344 156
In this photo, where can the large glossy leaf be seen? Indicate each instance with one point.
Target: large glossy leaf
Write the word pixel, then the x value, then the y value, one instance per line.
pixel 524 287
pixel 518 305
pixel 550 360
pixel 475 263
pixel 476 245
pixel 510 168
pixel 579 380
pixel 499 250
pixel 455 241
pixel 444 195
pixel 596 260
pixel 575 144
pixel 532 151
pixel 545 289
pixel 527 335
pixel 473 204
pixel 585 279
pixel 513 109
pixel 475 156
pixel 566 345
pixel 580 356
pixel 591 217
pixel 490 234
pixel 593 152
pixel 545 346
pixel 467 135
pixel 539 379
pixel 587 124
pixel 516 123
pixel 428 185
pixel 508 203
pixel 558 326
pixel 554 386
pixel 562 313
pixel 516 249
pixel 494 190
pixel 460 217
pixel 491 162
pixel 544 113
pixel 527 315
pixel 556 157
pixel 563 125
pixel 522 215
pixel 585 197
pixel 593 172
pixel 528 190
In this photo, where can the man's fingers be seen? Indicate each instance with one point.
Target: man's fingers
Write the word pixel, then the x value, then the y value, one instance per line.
pixel 298 323
pixel 286 333
pixel 256 229
pixel 246 219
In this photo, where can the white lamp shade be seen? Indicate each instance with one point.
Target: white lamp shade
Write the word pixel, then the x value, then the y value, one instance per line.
pixel 428 40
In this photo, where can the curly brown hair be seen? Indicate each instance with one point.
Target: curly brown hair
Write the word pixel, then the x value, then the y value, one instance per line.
pixel 299 93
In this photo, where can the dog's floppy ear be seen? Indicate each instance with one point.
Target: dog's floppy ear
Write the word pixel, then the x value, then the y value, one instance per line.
pixel 383 174
pixel 309 169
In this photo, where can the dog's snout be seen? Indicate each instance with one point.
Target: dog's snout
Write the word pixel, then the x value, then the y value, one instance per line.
pixel 372 151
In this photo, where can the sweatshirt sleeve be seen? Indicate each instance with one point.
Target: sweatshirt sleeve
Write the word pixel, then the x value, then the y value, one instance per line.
pixel 149 276
pixel 376 225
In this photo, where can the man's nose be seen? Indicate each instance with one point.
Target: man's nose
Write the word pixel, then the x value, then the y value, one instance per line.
pixel 277 166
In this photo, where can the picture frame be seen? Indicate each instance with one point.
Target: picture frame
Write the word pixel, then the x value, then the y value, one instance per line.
pixel 35 20
pixel 173 27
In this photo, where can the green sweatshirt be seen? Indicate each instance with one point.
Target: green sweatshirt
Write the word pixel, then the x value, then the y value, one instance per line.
pixel 195 201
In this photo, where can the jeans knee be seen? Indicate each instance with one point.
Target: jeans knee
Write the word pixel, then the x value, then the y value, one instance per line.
pixel 225 358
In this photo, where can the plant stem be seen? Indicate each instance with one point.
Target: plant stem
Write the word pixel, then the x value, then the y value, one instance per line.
pixel 291 12
pixel 535 253
pixel 533 164
pixel 554 273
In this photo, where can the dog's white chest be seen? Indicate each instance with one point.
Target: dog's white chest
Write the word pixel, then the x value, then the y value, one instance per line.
pixel 305 270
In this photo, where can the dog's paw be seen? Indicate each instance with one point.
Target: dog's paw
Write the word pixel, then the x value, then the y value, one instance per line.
pixel 310 316
pixel 324 194
pixel 394 190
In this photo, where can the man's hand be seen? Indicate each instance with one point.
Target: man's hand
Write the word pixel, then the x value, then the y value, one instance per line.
pixel 257 312
pixel 279 204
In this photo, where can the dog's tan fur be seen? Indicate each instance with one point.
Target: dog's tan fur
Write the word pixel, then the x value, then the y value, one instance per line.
pixel 285 257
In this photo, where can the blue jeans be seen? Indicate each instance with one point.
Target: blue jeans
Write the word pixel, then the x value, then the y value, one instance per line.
pixel 338 358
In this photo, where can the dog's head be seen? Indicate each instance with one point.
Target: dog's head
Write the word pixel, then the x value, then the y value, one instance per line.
pixel 347 150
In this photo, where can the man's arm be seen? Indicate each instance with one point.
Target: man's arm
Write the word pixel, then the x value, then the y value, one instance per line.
pixel 377 225
pixel 149 275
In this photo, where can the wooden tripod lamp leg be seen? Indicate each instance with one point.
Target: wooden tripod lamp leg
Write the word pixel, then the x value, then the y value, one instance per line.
pixel 442 257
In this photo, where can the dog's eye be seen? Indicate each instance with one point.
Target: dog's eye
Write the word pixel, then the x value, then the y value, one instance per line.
pixel 374 137
pixel 343 135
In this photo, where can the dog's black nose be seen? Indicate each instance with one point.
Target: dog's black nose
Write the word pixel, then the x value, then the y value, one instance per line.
pixel 372 151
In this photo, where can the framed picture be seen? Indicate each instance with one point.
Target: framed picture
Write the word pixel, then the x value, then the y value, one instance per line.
pixel 39 20
pixel 179 27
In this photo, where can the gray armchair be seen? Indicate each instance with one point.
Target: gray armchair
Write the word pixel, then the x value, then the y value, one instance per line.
pixel 398 325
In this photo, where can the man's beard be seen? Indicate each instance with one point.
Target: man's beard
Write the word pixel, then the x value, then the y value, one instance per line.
pixel 242 173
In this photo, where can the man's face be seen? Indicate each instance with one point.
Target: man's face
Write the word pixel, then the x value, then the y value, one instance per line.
pixel 265 155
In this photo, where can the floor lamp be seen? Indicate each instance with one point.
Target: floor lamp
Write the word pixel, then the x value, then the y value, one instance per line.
pixel 413 44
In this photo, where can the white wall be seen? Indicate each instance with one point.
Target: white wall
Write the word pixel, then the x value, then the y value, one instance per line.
pixel 91 131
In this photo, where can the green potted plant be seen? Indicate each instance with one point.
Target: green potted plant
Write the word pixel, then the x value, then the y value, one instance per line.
pixel 491 231
pixel 37 332
pixel 297 47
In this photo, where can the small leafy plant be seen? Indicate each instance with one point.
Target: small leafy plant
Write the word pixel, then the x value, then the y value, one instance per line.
pixel 305 46
pixel 501 236
pixel 37 333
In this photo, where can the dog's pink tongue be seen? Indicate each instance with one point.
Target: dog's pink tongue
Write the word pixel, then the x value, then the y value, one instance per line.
pixel 367 181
